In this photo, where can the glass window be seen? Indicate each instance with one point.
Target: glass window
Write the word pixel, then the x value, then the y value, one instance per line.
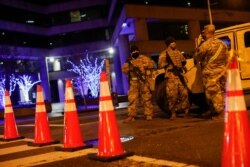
pixel 227 41
pixel 39 41
pixel 161 30
pixel 247 39
pixel 85 14
pixel 75 16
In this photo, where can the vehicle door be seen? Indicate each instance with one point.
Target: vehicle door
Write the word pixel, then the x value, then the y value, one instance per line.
pixel 243 47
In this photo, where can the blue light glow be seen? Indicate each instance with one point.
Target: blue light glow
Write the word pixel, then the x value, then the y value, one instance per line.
pixel 12 82
pixel 89 73
pixel 25 84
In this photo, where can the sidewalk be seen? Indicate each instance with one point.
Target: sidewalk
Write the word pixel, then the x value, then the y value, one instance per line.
pixel 58 108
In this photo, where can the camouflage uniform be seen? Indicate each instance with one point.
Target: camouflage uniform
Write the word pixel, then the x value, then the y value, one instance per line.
pixel 212 55
pixel 139 88
pixel 177 92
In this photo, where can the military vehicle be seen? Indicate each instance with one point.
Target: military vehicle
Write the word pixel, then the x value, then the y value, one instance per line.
pixel 237 39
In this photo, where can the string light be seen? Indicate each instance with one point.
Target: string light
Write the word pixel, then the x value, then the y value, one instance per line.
pixel 12 82
pixel 2 88
pixel 25 84
pixel 89 74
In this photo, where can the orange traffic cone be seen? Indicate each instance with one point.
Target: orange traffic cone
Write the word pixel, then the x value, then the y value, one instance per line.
pixel 10 128
pixel 42 130
pixel 236 147
pixel 109 143
pixel 73 139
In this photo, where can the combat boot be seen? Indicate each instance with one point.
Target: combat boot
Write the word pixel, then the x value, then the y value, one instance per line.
pixel 173 116
pixel 129 119
pixel 207 115
pixel 218 116
pixel 186 115
pixel 149 118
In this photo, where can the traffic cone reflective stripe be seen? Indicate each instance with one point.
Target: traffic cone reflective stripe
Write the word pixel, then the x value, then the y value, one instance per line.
pixel 105 100
pixel 234 93
pixel 40 105
pixel 236 148
pixel 235 99
pixel 108 107
pixel 10 128
pixel 70 105
pixel 42 130
pixel 109 142
pixel 73 139
pixel 8 105
pixel 8 108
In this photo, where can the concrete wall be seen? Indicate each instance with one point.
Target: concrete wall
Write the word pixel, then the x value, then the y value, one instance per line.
pixel 143 13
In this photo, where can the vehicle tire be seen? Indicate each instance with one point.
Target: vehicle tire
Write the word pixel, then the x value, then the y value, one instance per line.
pixel 199 99
pixel 160 95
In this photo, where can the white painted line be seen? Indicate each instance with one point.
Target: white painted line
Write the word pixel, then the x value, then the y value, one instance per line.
pixel 60 155
pixel 52 125
pixel 159 162
pixel 19 148
pixel 14 149
pixel 46 158
pixel 13 141
pixel 60 125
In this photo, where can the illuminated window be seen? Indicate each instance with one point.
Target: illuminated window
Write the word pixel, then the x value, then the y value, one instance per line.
pixel 75 16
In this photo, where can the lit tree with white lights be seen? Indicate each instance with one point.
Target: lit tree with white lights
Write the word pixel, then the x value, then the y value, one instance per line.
pixel 79 86
pixel 89 73
pixel 2 88
pixel 25 84
pixel 13 81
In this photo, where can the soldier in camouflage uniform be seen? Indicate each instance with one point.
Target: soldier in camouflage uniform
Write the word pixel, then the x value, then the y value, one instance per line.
pixel 177 93
pixel 212 57
pixel 139 87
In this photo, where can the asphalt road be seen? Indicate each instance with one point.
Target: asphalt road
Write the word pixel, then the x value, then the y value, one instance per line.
pixel 185 142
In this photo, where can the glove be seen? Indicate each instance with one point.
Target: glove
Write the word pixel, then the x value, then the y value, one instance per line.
pixel 183 63
pixel 200 40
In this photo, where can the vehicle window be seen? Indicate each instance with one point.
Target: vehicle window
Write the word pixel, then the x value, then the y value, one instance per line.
pixel 247 39
pixel 227 41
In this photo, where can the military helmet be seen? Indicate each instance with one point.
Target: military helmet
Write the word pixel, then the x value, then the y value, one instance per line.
pixel 133 48
pixel 209 28
pixel 169 40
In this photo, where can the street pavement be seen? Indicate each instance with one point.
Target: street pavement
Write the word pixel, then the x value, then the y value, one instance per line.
pixel 184 142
